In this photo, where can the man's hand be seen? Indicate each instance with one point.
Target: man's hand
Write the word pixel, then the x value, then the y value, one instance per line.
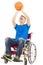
pixel 13 19
pixel 27 17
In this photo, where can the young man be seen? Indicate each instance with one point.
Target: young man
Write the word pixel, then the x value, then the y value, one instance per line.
pixel 21 36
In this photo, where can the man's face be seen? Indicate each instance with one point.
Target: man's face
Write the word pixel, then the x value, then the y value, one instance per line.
pixel 22 20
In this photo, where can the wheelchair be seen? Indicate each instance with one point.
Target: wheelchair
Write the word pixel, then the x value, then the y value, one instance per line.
pixel 29 51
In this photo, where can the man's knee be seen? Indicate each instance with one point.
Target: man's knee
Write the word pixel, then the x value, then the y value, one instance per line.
pixel 21 42
pixel 7 40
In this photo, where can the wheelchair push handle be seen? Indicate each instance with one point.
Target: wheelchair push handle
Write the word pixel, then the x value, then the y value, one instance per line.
pixel 30 35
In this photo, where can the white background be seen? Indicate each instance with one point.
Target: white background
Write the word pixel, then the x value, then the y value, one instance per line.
pixel 34 8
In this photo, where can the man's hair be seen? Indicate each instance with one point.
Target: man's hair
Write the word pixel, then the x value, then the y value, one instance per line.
pixel 23 16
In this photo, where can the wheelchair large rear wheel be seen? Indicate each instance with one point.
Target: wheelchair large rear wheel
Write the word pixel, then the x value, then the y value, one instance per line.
pixel 32 52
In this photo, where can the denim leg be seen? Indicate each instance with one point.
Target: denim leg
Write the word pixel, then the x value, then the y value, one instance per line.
pixel 20 47
pixel 8 43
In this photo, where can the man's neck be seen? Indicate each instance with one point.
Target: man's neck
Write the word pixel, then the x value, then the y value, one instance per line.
pixel 21 24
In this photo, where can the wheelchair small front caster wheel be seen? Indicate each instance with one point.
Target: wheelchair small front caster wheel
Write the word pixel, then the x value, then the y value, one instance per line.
pixel 5 61
pixel 25 61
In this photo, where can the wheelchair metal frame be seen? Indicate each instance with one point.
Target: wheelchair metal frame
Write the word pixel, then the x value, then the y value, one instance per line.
pixel 27 47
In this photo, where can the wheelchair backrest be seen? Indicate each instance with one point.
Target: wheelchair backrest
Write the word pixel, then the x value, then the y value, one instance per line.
pixel 29 35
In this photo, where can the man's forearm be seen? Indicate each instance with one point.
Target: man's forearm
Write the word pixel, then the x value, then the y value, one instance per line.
pixel 27 17
pixel 25 14
pixel 14 18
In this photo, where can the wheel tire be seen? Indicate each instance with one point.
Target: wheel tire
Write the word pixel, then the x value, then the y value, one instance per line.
pixel 25 61
pixel 30 52
pixel 5 61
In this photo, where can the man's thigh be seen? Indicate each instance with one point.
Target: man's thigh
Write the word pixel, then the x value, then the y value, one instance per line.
pixel 13 42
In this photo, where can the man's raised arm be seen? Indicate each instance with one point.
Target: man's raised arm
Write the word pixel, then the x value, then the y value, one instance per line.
pixel 27 17
pixel 13 19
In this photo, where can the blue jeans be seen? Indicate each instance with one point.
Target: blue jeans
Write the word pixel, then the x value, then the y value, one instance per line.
pixel 12 42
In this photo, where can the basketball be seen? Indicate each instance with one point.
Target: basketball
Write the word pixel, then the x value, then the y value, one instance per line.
pixel 18 6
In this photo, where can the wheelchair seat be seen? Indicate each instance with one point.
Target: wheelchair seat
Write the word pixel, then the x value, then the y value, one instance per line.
pixel 15 47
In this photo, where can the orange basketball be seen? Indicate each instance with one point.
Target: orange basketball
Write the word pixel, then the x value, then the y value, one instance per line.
pixel 18 6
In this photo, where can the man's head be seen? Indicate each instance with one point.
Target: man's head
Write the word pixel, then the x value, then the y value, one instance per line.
pixel 22 19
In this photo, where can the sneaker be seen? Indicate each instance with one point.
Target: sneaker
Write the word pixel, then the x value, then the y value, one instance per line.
pixel 7 57
pixel 16 58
